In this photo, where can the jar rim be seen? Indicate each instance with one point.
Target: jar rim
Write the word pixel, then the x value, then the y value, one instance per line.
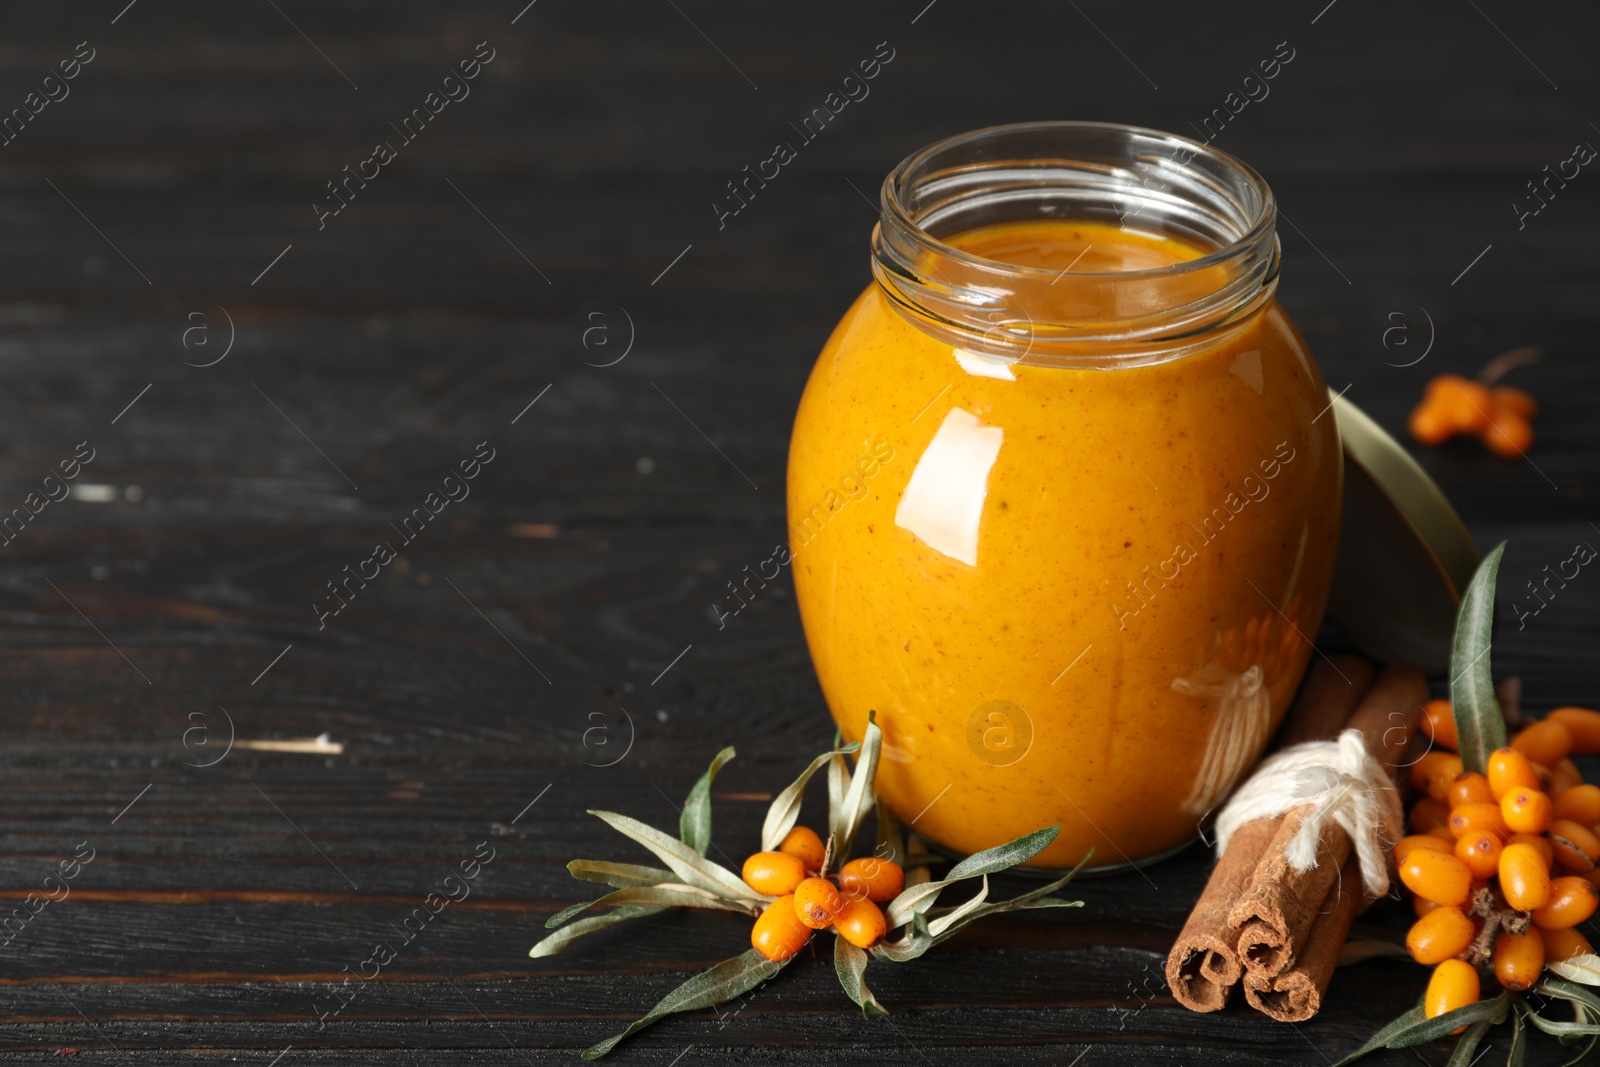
pixel 1264 224
pixel 1088 171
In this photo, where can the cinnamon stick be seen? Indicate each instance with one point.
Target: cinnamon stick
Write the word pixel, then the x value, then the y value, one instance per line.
pixel 1296 994
pixel 1204 963
pixel 1275 912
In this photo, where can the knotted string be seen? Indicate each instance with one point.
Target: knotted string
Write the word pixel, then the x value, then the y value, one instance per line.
pixel 1339 780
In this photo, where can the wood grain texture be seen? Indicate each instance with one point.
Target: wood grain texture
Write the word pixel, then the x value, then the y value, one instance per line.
pixel 465 680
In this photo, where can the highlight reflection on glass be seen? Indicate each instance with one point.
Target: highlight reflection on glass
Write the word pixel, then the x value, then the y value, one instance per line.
pixel 943 502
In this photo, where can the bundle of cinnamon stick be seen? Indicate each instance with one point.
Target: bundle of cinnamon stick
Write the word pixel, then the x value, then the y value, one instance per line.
pixel 1261 923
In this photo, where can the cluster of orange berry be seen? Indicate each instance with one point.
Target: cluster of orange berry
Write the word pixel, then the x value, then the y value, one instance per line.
pixel 1501 415
pixel 1482 848
pixel 809 900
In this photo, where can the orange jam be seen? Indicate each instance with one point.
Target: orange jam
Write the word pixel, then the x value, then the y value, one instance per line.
pixel 1073 595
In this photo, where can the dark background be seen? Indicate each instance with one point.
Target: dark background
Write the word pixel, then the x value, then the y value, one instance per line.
pixel 454 289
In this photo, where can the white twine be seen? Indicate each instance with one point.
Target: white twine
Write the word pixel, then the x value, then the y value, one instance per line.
pixel 1340 781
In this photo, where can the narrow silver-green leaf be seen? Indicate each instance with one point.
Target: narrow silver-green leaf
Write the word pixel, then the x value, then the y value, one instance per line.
pixel 1584 968
pixel 858 798
pixel 916 941
pixel 694 823
pixel 1432 1029
pixel 945 922
pixel 1569 1033
pixel 688 864
pixel 565 936
pixel 1468 1043
pixel 850 964
pixel 1036 898
pixel 1555 987
pixel 1519 1043
pixel 891 841
pixel 838 786
pixel 619 875
pixel 671 896
pixel 991 860
pixel 1480 724
pixel 1396 1027
pixel 785 809
pixel 728 979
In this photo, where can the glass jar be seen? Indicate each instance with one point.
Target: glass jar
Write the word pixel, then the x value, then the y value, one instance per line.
pixel 1064 491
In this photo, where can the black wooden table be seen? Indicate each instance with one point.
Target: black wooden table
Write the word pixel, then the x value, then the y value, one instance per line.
pixel 264 387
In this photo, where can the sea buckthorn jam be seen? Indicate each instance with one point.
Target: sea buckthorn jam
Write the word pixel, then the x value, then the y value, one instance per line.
pixel 1082 587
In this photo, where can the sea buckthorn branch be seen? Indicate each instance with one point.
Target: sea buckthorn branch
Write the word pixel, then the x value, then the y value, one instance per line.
pixel 796 885
pixel 1501 860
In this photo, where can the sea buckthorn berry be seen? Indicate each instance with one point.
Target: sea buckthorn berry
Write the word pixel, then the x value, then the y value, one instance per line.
pixel 1508 434
pixel 874 879
pixel 1526 811
pixel 1563 776
pixel 861 923
pixel 817 902
pixel 1438 876
pixel 1580 804
pixel 1537 842
pixel 1524 877
pixel 1565 944
pixel 1429 813
pixel 1572 900
pixel 775 873
pixel 1430 424
pixel 1443 833
pixel 802 841
pixel 1584 726
pixel 1454 985
pixel 1403 847
pixel 1547 742
pixel 1470 818
pixel 1510 769
pixel 1479 851
pixel 779 933
pixel 1434 773
pixel 1443 933
pixel 1519 958
pixel 1518 402
pixel 1439 722
pixel 1422 905
pixel 1575 845
pixel 1469 788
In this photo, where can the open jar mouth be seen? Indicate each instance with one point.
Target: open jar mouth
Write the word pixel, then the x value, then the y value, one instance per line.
pixel 1126 176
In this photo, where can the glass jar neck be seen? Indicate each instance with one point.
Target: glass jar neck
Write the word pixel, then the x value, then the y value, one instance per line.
pixel 1119 176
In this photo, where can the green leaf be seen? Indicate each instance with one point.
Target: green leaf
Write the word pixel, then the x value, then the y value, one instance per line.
pixel 1584 968
pixel 1412 1028
pixel 991 860
pixel 1480 724
pixel 916 941
pixel 1569 1033
pixel 619 875
pixel 785 809
pixel 728 979
pixel 688 864
pixel 850 963
pixel 838 786
pixel 1519 1045
pixel 565 936
pixel 694 824
pixel 945 922
pixel 1555 987
pixel 1400 1025
pixel 858 799
pixel 667 896
pixel 1036 898
pixel 919 898
pixel 1468 1044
